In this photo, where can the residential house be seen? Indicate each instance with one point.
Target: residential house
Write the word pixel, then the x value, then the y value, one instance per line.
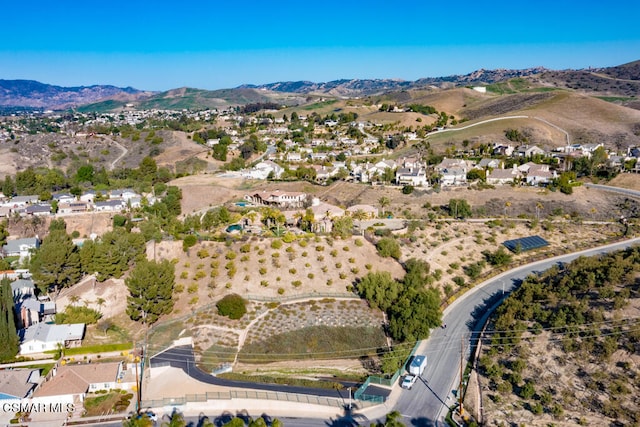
pixel 504 176
pixel 453 172
pixel 88 196
pixel 539 174
pixel 71 383
pixel 22 201
pixel 453 177
pixel 44 337
pixel 125 194
pixel 134 202
pixel 22 289
pixel 323 173
pixel 21 247
pixel 416 177
pixel 263 169
pixel 385 164
pixel 503 150
pixel 453 163
pixel 633 152
pixel 616 162
pixel 325 210
pixel 485 164
pixel 294 157
pixel 588 149
pixel 110 206
pixel 29 312
pixel 528 151
pixel 412 162
pixel 368 210
pixel 277 198
pixel 17 384
pixel 64 198
pixel 75 207
pixel 319 156
pixel 38 210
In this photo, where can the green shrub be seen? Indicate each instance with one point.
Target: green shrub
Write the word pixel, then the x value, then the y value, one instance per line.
pixel 189 241
pixel 388 247
pixel 288 237
pixel 276 244
pixel 76 314
pixel 232 306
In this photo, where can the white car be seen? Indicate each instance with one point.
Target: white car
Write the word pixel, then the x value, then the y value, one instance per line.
pixel 408 381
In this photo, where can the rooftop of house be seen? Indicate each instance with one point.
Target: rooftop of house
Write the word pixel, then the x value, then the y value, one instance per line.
pixel 46 332
pixel 17 383
pixel 75 379
pixel 14 245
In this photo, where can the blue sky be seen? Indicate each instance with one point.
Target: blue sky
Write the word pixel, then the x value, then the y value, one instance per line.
pixel 213 44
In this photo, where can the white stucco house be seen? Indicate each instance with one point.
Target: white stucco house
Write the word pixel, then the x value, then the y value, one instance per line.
pixel 46 337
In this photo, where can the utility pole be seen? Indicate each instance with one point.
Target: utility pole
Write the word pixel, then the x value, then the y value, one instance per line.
pixel 461 375
pixel 135 353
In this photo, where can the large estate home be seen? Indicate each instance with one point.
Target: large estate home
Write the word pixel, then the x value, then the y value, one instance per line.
pixel 277 198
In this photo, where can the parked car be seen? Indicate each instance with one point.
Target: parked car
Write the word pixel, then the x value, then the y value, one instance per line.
pixel 408 381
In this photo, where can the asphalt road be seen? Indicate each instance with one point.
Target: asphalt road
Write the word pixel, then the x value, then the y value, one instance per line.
pixel 182 357
pixel 626 191
pixel 429 400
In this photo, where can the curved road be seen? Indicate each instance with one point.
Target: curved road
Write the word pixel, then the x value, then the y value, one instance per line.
pixel 182 357
pixel 427 404
pixel 625 191
pixel 566 134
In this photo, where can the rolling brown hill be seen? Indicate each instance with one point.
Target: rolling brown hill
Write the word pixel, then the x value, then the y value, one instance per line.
pixel 585 118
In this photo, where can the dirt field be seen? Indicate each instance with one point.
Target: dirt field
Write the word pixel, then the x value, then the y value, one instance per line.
pixel 626 180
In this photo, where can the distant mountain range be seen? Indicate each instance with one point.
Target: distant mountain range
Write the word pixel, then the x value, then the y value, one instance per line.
pixel 619 81
pixel 30 93
pixel 359 87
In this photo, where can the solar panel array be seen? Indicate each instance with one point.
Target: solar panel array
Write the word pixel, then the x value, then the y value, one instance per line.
pixel 525 243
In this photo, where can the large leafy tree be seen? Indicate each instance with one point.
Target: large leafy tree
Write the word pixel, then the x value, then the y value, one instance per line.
pixel 112 255
pixel 151 290
pixel 56 264
pixel 459 208
pixel 379 289
pixel 8 333
pixel 412 307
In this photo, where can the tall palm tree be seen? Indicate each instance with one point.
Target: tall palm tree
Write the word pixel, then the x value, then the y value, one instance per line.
pixel 507 205
pixel 539 207
pixel 360 215
pixel 384 202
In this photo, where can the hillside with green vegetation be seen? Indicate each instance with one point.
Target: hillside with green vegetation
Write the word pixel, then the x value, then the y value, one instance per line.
pixel 196 99
pixel 565 344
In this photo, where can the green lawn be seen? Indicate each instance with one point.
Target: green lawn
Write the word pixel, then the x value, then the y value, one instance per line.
pixel 315 342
